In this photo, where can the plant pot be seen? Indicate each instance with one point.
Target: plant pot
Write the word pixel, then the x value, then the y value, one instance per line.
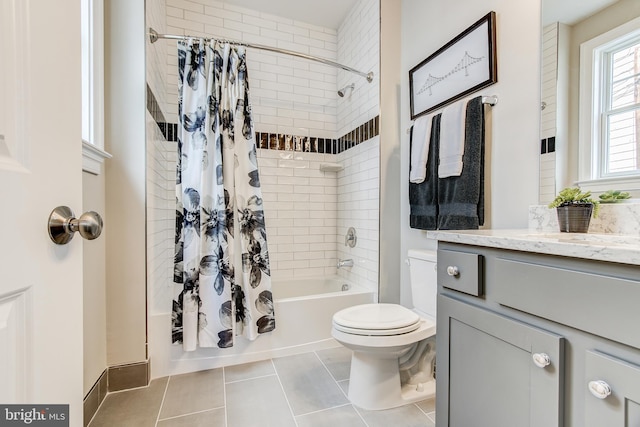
pixel 574 218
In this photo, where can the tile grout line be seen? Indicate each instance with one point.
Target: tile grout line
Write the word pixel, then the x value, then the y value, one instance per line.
pixel 166 387
pixel 326 409
pixel 249 379
pixel 343 392
pixel 191 413
pixel 224 395
pixel 295 421
pixel 360 415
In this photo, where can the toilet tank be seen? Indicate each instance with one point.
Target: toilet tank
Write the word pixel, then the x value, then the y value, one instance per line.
pixel 422 272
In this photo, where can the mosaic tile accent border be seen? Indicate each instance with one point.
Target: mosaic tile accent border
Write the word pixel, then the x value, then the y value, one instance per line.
pixel 312 144
pixel 282 142
pixel 153 107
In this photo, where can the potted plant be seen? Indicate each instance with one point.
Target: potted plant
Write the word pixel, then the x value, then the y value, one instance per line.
pixel 613 196
pixel 574 209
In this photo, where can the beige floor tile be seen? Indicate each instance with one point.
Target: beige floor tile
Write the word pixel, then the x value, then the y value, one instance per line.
pixel 403 416
pixel 135 408
pixel 258 402
pixel 307 384
pixel 338 361
pixel 212 418
pixel 194 392
pixel 248 370
pixel 343 416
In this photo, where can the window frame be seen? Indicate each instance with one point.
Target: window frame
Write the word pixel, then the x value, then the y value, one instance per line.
pixel 592 127
pixel 93 154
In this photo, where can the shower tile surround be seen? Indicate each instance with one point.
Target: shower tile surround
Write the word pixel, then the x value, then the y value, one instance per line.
pixel 295 100
pixel 308 389
pixel 307 210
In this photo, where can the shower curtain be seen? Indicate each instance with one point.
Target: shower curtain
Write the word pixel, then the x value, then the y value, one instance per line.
pixel 221 269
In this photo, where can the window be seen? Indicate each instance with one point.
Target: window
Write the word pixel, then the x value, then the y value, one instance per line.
pixel 610 109
pixel 92 86
pixel 621 109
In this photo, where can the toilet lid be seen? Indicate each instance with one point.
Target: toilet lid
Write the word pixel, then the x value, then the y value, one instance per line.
pixel 376 319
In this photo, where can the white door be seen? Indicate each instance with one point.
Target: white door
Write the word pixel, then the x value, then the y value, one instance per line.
pixel 40 168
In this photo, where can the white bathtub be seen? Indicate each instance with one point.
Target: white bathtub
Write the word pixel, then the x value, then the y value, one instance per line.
pixel 304 309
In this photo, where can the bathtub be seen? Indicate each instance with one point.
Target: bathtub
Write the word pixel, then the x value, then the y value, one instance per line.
pixel 304 309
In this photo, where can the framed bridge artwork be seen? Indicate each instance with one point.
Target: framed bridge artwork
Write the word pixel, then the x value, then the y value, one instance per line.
pixel 462 66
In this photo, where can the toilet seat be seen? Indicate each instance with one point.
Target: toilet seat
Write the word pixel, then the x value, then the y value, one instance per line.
pixel 376 320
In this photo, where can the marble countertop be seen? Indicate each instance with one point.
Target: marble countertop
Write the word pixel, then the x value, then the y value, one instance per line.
pixel 618 248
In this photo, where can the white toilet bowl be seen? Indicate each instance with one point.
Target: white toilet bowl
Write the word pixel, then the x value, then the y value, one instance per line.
pixel 393 347
pixel 381 336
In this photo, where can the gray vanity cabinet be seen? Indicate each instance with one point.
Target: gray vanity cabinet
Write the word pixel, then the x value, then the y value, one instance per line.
pixel 546 341
pixel 613 396
pixel 490 377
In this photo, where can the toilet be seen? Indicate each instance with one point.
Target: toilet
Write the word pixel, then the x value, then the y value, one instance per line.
pixel 393 361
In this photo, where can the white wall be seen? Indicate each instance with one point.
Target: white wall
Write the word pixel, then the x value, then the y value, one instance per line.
pixel 513 124
pixel 390 140
pixel 125 180
pixel 94 286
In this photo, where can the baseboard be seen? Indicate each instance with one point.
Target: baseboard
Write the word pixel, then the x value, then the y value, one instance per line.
pixel 114 378
pixel 132 375
pixel 94 398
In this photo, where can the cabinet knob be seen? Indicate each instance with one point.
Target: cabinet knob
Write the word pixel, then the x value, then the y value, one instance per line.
pixel 453 270
pixel 541 360
pixel 599 389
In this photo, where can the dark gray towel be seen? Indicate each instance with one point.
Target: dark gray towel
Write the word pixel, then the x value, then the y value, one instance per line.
pixel 461 198
pixel 423 197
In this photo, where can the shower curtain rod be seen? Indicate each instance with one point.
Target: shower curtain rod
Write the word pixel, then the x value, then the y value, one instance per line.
pixel 154 36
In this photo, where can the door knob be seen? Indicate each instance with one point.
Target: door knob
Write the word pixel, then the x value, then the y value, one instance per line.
pixel 63 224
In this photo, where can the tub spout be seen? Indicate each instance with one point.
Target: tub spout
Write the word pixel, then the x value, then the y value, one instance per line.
pixel 345 263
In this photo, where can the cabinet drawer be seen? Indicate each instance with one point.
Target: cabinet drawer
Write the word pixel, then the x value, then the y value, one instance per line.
pixel 460 271
pixel 602 305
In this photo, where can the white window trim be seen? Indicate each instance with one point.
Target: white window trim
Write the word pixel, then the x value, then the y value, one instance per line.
pixel 589 128
pixel 93 154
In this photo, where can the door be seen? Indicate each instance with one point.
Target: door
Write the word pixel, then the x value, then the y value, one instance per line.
pixel 40 168
pixel 494 371
pixel 612 391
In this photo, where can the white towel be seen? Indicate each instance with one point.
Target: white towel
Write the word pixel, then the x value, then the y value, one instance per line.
pixel 420 148
pixel 452 125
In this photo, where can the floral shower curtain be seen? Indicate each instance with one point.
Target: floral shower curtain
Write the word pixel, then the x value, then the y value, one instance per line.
pixel 221 271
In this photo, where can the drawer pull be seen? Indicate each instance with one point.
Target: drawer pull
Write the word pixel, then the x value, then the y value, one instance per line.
pixel 541 360
pixel 453 271
pixel 599 389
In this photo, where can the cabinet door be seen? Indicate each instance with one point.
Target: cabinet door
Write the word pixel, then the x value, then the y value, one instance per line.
pixel 622 406
pixel 486 375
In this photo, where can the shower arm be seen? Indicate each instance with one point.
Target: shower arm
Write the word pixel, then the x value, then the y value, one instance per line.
pixel 154 36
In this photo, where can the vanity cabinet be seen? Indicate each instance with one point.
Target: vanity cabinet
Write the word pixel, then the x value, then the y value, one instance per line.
pixel 547 341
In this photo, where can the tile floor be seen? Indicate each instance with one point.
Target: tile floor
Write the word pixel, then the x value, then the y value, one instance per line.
pixel 306 390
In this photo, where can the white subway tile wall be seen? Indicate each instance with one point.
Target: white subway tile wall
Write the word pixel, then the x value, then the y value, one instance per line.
pixel 358 203
pixel 289 95
pixel 307 210
pixel 160 168
pixel 547 187
pixel 359 47
pixel 300 204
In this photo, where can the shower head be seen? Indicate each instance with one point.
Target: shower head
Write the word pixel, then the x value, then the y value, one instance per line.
pixel 342 91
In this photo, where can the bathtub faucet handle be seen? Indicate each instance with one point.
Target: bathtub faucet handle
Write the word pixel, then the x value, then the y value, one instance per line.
pixel 345 263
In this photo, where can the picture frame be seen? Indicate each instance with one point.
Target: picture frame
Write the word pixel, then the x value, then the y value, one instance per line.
pixel 464 65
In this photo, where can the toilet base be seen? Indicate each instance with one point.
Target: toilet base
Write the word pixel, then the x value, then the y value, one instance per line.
pixel 374 384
